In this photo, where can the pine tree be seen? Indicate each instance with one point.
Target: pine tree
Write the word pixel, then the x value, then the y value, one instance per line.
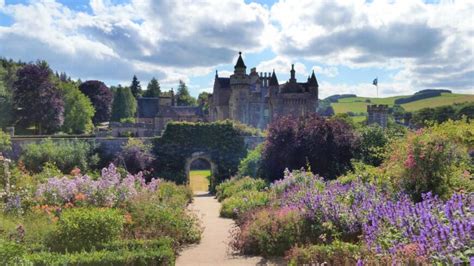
pixel 136 88
pixel 153 89
pixel 183 97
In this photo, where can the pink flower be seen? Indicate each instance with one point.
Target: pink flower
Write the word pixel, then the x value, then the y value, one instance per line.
pixel 410 161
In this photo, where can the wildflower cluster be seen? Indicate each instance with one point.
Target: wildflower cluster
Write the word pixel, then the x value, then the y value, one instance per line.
pixel 108 190
pixel 390 225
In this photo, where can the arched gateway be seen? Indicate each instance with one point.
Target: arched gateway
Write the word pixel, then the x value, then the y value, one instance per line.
pixel 221 143
pixel 196 156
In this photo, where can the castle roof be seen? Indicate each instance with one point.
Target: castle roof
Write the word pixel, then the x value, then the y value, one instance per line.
pixel 148 107
pixel 224 83
pixel 312 81
pixel 240 62
pixel 273 79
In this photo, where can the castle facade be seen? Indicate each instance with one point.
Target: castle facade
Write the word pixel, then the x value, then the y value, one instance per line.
pixel 257 99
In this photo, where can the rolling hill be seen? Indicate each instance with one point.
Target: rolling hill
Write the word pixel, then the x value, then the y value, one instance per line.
pixel 358 105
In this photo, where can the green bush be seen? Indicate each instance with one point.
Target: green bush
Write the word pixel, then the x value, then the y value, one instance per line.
pixel 163 255
pixel 336 253
pixel 162 215
pixel 65 154
pixel 5 141
pixel 242 202
pixel 85 229
pixel 235 185
pixel 250 165
pixel 11 253
pixel 433 159
pixel 271 232
pixel 372 145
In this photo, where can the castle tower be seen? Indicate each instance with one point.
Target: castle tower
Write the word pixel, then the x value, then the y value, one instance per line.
pixel 377 114
pixel 240 93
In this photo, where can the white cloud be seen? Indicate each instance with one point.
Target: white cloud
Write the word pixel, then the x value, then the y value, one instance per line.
pixel 432 43
pixel 326 71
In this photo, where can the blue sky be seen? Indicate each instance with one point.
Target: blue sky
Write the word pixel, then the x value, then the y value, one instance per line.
pixel 408 45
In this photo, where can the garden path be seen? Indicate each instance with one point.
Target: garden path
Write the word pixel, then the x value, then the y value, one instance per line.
pixel 213 248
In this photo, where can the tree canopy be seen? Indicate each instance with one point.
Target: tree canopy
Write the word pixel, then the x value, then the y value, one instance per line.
pixel 36 100
pixel 153 89
pixel 101 98
pixel 124 104
pixel 135 87
pixel 78 112
pixel 183 97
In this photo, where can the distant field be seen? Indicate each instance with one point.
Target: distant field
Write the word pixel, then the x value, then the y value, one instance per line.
pixel 198 180
pixel 359 104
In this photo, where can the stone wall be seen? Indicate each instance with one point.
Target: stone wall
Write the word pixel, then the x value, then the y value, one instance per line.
pixel 109 146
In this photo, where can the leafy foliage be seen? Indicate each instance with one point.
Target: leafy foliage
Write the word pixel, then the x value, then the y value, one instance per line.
pixel 372 146
pixel 433 159
pixel 251 165
pixel 221 140
pixel 86 228
pixel 124 104
pixel 5 141
pixel 234 186
pixel 327 146
pixel 135 156
pixel 153 89
pixel 36 100
pixel 101 98
pixel 183 97
pixel 135 87
pixel 66 155
pixel 78 110
pixel 240 203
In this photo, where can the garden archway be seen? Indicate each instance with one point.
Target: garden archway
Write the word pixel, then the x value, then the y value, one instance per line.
pixel 196 156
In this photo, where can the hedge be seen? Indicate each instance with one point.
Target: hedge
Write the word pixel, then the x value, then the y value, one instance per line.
pixel 223 141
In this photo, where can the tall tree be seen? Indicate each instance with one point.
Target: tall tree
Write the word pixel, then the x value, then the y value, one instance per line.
pixel 78 112
pixel 36 100
pixel 124 104
pixel 203 101
pixel 183 97
pixel 101 98
pixel 153 89
pixel 136 88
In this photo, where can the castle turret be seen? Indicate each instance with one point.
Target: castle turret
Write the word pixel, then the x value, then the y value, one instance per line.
pixel 240 67
pixel 292 79
pixel 273 79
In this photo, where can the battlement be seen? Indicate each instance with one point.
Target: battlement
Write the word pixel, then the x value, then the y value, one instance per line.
pixel 377 108
pixel 377 114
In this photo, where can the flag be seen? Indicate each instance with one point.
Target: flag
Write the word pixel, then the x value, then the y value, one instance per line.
pixel 375 82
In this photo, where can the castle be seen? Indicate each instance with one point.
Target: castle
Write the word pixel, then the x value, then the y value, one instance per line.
pixel 257 99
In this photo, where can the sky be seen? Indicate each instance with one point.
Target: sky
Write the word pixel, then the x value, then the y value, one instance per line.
pixel 408 45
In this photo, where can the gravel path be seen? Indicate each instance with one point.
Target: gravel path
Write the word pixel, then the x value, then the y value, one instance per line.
pixel 213 248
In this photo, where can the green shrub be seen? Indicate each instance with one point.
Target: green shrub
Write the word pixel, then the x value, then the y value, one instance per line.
pixel 433 159
pixel 5 142
pixel 242 202
pixel 85 229
pixel 236 185
pixel 172 195
pixel 65 154
pixel 336 253
pixel 11 253
pixel 271 232
pixel 163 255
pixel 250 165
pixel 372 145
pixel 159 215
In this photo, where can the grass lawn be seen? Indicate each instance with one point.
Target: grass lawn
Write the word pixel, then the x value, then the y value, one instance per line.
pixel 198 180
pixel 359 104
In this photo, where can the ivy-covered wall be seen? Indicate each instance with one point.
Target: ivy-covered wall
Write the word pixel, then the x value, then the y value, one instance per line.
pixel 222 140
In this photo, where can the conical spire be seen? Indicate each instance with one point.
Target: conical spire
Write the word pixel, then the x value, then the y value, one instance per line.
pixel 273 79
pixel 292 78
pixel 217 75
pixel 240 62
pixel 313 81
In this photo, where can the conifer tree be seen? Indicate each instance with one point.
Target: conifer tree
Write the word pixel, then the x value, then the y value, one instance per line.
pixel 183 97
pixel 124 104
pixel 136 88
pixel 153 89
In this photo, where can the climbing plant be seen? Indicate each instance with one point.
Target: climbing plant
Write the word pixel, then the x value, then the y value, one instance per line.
pixel 223 141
